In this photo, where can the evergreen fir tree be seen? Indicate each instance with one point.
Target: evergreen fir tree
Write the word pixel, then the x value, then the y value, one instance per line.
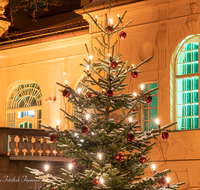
pixel 114 153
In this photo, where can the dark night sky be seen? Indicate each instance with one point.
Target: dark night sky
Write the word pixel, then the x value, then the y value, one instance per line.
pixel 57 14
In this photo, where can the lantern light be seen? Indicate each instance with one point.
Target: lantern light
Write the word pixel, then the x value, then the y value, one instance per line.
pixel 79 90
pixel 70 166
pixel 100 156
pixel 58 122
pixel 157 121
pixel 87 116
pixel 46 167
pixel 142 87
pixel 90 57
pixel 154 167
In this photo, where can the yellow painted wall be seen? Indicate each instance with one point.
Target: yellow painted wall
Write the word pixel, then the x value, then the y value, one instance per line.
pixel 45 64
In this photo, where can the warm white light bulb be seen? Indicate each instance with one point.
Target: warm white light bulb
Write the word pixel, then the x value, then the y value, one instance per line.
pixel 130 119
pixel 79 90
pixel 96 16
pixel 100 156
pixel 111 21
pixel 168 179
pixel 90 57
pixel 103 90
pixel 88 67
pixel 92 133
pixel 109 55
pixel 134 94
pixel 153 167
pixel 157 121
pixel 58 122
pixel 132 65
pixel 87 116
pixel 101 180
pixel 76 134
pixel 82 140
pixel 66 82
pixel 70 166
pixel 46 167
pixel 142 87
pixel 118 15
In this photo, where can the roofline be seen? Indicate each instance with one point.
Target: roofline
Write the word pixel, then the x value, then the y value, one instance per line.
pixel 48 35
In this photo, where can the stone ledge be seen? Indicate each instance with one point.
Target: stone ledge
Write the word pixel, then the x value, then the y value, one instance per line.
pixel 38 158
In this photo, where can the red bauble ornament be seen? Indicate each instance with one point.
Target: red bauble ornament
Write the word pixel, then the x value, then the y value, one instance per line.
pixel 109 29
pixel 113 64
pixel 119 156
pixel 88 94
pixel 65 93
pixel 122 35
pixel 53 188
pixel 95 181
pixel 165 135
pixel 53 138
pixel 130 137
pixel 75 162
pixel 162 181
pixel 134 74
pixel 109 93
pixel 85 130
pixel 148 99
pixel 134 110
pixel 143 159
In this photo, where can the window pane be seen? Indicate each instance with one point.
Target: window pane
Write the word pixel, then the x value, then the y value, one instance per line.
pixel 187 103
pixel 31 113
pixel 195 109
pixel 195 56
pixel 188 47
pixel 195 122
pixel 145 126
pixel 188 59
pixel 39 116
pixel 30 125
pixel 150 110
pixel 195 46
pixel 25 125
pixel 145 114
pixel 181 59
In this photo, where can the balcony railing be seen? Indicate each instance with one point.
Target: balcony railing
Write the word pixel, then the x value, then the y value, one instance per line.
pixel 27 144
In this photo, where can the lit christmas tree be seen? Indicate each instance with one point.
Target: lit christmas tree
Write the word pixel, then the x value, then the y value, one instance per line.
pixel 114 153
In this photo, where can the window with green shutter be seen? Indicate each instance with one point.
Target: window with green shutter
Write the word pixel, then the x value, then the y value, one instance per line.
pixel 187 87
pixel 150 111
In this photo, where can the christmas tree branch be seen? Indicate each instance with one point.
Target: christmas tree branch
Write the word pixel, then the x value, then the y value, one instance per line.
pixel 115 31
pixel 100 43
pixel 96 23
pixel 120 20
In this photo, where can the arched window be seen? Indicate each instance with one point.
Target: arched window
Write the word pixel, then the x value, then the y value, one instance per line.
pixel 187 85
pixel 24 106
